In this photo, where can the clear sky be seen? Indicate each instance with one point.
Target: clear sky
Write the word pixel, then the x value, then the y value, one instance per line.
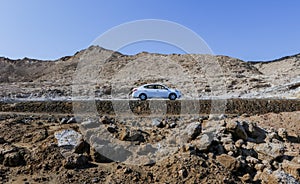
pixel 249 30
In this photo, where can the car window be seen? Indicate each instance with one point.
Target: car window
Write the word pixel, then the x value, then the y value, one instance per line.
pixel 149 87
pixel 160 87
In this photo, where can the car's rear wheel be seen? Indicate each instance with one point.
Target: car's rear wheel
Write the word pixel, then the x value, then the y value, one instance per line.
pixel 172 96
pixel 143 96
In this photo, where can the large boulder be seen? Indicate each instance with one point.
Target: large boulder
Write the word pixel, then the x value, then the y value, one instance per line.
pixel 204 142
pixel 211 132
pixel 237 130
pixel 71 142
pixel 269 151
pixel 68 138
pixel 193 130
pixel 255 133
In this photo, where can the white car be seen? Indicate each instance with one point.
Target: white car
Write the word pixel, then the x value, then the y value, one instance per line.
pixel 155 91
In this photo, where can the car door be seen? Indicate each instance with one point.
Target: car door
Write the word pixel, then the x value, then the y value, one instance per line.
pixel 161 91
pixel 150 91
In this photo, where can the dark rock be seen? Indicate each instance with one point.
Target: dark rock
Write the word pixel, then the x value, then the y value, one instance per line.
pixel 138 136
pixel 202 118
pixel 157 123
pixel 68 120
pixel 271 137
pixel 127 170
pixel 112 129
pixel 63 120
pixel 76 161
pixel 107 90
pixel 1 158
pixel 82 147
pixel 240 132
pixel 72 120
pixel 14 159
pixel 183 173
pixel 100 158
pixel 282 133
pixel 255 133
pixel 106 120
pixel 2 140
pixel 172 125
pixel 237 130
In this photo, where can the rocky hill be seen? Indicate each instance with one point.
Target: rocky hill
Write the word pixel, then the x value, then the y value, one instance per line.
pixel 201 76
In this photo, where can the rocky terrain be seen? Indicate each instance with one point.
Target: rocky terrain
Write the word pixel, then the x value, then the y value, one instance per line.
pixel 44 138
pixel 109 74
pixel 49 148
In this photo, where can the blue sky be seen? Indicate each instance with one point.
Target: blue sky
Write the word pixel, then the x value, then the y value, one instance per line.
pixel 249 30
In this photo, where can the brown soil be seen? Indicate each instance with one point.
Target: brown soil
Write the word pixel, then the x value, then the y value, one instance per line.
pixel 43 161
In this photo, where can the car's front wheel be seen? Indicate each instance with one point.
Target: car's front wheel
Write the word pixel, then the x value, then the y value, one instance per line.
pixel 143 96
pixel 172 96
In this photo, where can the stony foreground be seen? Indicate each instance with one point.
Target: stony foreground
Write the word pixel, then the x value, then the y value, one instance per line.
pixel 209 149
